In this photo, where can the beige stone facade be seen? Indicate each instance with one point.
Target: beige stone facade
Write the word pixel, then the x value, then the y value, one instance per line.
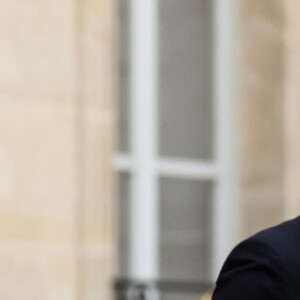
pixel 261 160
pixel 56 138
pixel 292 109
pixel 269 107
pixel 56 119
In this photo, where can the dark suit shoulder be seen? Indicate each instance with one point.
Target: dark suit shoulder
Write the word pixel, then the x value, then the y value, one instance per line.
pixel 285 239
pixel 253 270
pixel 280 234
pixel 264 266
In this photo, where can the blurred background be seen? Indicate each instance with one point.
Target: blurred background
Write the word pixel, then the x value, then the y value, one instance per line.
pixel 141 140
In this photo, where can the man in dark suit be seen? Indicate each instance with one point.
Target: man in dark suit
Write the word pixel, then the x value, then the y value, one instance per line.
pixel 266 266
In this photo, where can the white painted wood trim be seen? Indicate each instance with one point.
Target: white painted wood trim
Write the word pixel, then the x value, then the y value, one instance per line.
pixel 224 216
pixel 187 169
pixel 172 167
pixel 144 240
pixel 123 163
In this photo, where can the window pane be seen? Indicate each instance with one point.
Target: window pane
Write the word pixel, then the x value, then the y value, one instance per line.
pixel 124 181
pixel 185 226
pixel 123 80
pixel 185 110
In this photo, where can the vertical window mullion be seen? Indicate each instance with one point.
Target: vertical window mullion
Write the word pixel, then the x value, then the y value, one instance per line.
pixel 224 114
pixel 143 95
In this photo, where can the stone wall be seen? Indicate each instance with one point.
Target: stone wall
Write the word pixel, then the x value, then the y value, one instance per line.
pixel 292 108
pixel 56 118
pixel 260 114
pixel 269 113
